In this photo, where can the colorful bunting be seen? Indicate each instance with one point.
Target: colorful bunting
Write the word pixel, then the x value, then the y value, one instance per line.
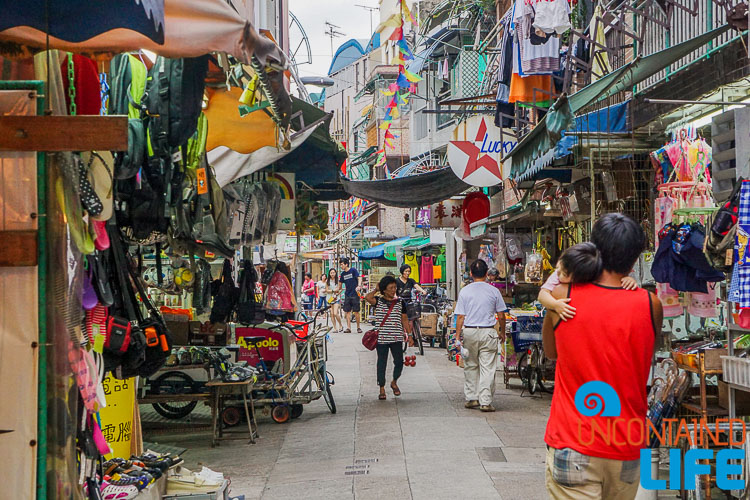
pixel 411 76
pixel 398 34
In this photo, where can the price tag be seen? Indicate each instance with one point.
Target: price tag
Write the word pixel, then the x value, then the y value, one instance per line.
pixel 98 342
pixel 177 156
pixel 202 180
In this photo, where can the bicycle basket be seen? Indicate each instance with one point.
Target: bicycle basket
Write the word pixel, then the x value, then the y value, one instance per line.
pixel 526 331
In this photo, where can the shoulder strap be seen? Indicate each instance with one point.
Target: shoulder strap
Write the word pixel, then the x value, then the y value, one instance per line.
pixel 390 309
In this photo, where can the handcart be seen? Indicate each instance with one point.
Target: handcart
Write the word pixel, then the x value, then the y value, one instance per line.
pixel 299 376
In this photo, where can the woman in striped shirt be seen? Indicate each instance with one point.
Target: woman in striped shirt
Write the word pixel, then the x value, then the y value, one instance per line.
pixel 391 333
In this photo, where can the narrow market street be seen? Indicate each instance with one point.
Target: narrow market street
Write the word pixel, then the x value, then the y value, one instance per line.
pixel 421 445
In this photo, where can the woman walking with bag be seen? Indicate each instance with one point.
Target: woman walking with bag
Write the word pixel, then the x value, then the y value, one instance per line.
pixel 390 315
pixel 333 292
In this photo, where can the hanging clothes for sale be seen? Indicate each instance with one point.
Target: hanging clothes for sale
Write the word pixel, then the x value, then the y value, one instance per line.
pixel 437 271
pixel 504 75
pixel 410 259
pixel 739 290
pixel 440 263
pixel 599 58
pixel 426 271
pixel 528 90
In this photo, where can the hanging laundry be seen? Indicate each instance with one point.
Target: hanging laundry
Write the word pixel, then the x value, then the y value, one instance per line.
pixel 552 16
pixel 533 59
pixel 522 89
pixel 600 59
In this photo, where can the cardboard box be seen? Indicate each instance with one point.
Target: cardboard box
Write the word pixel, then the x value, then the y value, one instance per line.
pixel 179 331
pixel 428 322
pixel 208 334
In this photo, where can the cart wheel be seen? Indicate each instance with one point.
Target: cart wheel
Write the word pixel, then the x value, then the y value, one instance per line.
pixel 174 382
pixel 231 416
pixel 328 396
pixel 280 414
pixel 297 410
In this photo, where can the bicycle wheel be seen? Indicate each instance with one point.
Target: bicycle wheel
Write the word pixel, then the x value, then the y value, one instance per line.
pixel 532 382
pixel 416 332
pixel 328 396
pixel 523 368
pixel 174 382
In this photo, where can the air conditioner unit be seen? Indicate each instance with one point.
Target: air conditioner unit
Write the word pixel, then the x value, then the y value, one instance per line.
pixel 730 150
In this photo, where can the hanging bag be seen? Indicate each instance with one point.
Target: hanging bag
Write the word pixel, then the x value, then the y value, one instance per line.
pixel 370 339
pixel 226 296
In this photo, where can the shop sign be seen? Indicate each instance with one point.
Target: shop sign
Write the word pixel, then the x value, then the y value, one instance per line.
pixel 446 213
pixel 285 182
pixel 117 416
pixel 476 151
pixel 305 244
pixel 371 232
pixel 423 218
pixel 356 244
pixel 271 348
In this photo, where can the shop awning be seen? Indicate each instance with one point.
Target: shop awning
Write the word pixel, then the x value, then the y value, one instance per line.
pixel 241 145
pixel 359 220
pixel 413 191
pixel 376 252
pixel 417 243
pixel 318 254
pixel 536 150
pixel 390 248
pixel 172 28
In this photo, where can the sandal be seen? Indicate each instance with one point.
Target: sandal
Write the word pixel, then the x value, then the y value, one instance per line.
pixel 114 492
pixel 382 396
pixel 396 390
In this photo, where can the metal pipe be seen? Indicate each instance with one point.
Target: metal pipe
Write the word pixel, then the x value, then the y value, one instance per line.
pixel 704 103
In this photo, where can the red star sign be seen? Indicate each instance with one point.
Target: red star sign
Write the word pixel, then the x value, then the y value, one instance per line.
pixel 476 161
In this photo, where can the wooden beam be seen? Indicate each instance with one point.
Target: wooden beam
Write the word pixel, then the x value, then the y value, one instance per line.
pixel 18 248
pixel 63 133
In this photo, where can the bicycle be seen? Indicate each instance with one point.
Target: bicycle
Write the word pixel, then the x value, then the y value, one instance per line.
pixel 413 313
pixel 533 367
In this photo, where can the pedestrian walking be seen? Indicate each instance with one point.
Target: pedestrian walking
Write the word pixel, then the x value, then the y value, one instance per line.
pixel 333 293
pixel 320 287
pixel 480 306
pixel 390 315
pixel 308 292
pixel 352 283
pixel 610 323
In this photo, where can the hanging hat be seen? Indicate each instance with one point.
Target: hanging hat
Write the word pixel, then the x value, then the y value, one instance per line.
pixel 101 168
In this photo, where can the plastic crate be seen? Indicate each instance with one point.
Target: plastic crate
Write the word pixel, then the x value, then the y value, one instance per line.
pixel 522 340
pixel 736 371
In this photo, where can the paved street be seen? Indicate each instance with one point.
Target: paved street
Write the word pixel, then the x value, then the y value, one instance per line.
pixel 422 445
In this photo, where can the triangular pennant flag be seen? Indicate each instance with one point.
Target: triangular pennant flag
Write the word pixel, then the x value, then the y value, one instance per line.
pixel 389 135
pixel 397 61
pixel 393 103
pixel 386 124
pixel 394 113
pixel 388 92
pixel 402 81
pixel 407 13
pixel 392 22
pixel 393 87
pixel 398 34
pixel 411 76
pixel 387 172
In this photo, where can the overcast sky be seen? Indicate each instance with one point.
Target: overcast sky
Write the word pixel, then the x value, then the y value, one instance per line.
pixel 312 14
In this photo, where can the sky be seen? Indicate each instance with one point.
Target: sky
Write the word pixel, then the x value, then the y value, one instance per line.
pixel 312 14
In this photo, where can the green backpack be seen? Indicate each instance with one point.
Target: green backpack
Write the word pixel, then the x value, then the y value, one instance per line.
pixel 127 86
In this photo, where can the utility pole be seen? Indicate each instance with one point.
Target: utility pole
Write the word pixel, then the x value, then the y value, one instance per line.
pixel 371 10
pixel 332 31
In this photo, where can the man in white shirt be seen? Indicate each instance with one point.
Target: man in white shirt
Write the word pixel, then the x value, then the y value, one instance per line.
pixel 480 306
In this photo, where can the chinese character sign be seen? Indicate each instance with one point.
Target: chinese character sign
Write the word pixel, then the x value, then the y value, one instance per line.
pixel 117 416
pixel 445 214
pixel 423 218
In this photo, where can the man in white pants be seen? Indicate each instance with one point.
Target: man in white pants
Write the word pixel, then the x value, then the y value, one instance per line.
pixel 480 306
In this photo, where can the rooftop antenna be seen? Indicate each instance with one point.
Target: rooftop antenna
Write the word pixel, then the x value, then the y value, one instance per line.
pixel 332 31
pixel 371 9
